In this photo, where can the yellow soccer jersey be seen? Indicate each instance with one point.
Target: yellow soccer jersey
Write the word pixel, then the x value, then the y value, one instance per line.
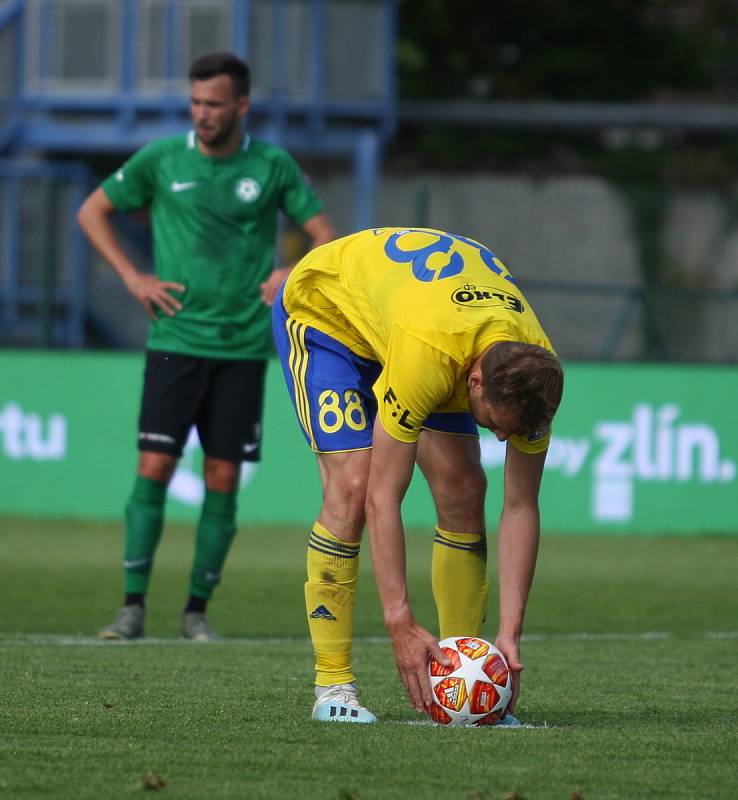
pixel 423 303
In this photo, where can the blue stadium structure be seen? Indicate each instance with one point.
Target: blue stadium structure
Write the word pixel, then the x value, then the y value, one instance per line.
pixel 83 79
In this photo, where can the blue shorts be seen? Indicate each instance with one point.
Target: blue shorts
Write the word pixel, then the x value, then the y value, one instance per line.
pixel 331 388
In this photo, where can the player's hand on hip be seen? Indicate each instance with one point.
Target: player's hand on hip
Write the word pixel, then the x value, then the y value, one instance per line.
pixel 509 646
pixel 414 646
pixel 271 285
pixel 154 295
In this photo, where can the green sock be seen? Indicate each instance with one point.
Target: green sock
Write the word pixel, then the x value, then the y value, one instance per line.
pixel 215 532
pixel 144 524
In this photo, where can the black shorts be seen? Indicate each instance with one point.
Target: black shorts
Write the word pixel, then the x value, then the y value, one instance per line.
pixel 223 399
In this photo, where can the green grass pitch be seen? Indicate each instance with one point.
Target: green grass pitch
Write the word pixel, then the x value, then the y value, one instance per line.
pixel 630 688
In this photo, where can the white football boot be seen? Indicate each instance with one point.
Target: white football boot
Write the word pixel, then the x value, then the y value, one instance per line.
pixel 340 703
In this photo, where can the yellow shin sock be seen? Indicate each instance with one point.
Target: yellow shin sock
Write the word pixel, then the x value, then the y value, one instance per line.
pixel 332 568
pixel 459 581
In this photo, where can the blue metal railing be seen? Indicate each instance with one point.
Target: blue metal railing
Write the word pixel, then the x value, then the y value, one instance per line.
pixel 53 101
pixel 46 307
pixel 11 20
pixel 133 107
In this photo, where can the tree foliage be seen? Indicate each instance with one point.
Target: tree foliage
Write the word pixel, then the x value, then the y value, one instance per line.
pixel 569 50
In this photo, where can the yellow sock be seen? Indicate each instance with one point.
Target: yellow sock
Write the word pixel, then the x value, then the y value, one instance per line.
pixel 459 581
pixel 332 568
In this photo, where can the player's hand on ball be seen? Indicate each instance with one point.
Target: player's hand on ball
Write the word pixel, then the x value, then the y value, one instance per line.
pixel 414 646
pixel 509 646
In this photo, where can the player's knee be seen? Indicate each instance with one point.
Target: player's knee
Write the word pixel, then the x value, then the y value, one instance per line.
pixel 461 497
pixel 221 475
pixel 157 467
pixel 346 496
pixel 476 485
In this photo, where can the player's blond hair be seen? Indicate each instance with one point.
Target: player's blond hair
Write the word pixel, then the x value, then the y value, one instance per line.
pixel 526 378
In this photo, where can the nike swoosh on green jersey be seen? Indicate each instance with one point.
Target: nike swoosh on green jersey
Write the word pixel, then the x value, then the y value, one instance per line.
pixel 181 187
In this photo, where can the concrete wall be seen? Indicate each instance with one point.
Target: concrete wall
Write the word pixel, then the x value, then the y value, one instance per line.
pixel 574 230
pixel 571 243
pixel 579 232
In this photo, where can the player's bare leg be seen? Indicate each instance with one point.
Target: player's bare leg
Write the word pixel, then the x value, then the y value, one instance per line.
pixel 332 566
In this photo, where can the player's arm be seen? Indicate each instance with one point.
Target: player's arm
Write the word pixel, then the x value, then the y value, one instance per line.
pixel 390 472
pixel 320 230
pixel 94 219
pixel 518 538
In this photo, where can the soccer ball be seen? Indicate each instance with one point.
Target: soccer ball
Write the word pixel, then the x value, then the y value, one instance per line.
pixel 475 689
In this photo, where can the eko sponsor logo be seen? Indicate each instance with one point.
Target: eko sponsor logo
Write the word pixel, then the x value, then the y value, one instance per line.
pixel 471 295
pixel 28 435
pixel 654 446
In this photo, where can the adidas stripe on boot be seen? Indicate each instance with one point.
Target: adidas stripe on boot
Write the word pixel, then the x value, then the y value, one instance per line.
pixel 340 703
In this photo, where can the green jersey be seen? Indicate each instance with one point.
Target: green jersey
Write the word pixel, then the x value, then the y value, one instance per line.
pixel 214 226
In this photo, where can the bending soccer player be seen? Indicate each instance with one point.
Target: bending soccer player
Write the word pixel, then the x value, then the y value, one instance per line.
pixel 395 344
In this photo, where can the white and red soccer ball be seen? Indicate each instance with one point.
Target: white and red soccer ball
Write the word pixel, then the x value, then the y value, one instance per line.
pixel 475 689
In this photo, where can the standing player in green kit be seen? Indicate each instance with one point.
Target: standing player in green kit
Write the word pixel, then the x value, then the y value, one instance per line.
pixel 214 195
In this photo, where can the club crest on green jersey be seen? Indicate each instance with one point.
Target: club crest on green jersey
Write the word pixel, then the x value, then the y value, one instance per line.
pixel 248 190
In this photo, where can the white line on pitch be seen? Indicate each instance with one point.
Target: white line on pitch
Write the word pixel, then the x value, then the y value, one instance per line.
pixel 534 638
pixel 429 723
pixel 64 640
pixel 595 637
